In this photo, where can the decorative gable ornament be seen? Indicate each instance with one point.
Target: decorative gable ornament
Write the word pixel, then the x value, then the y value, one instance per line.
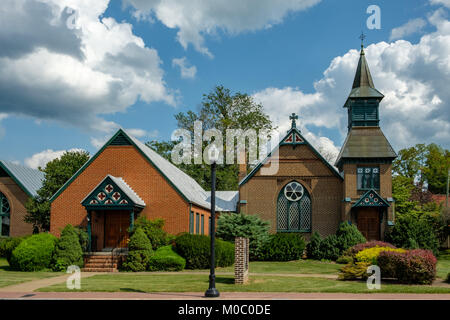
pixel 371 199
pixel 112 193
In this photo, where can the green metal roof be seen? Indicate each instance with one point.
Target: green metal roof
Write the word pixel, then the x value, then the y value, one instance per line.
pixel 366 142
pixel 30 180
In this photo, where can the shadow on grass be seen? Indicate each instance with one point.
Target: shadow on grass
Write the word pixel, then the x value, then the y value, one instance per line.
pixel 224 280
pixel 131 290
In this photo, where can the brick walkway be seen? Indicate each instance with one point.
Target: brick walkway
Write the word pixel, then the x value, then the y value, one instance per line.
pixel 224 296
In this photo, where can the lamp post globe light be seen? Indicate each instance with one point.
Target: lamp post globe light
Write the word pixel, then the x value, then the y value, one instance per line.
pixel 213 154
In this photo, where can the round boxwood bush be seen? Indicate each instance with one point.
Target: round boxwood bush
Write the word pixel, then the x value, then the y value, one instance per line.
pixel 165 259
pixel 196 249
pixel 140 251
pixel 68 250
pixel 284 247
pixel 34 253
pixel 330 248
pixel 8 245
pixel 348 235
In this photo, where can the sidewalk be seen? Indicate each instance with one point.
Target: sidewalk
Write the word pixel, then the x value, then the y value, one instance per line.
pixel 223 296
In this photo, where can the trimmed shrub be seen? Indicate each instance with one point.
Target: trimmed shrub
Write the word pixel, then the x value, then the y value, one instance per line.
pixel 313 247
pixel 333 246
pixel 388 262
pixel 371 254
pixel 68 250
pixel 416 266
pixel 165 259
pixel 140 251
pixel 352 251
pixel 224 253
pixel 34 253
pixel 154 231
pixel 448 278
pixel 284 247
pixel 412 233
pixel 8 245
pixel 330 248
pixel 232 225
pixel 344 260
pixel 83 238
pixel 196 249
pixel 353 271
pixel 348 235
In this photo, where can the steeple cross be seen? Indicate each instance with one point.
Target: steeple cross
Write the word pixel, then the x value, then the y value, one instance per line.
pixel 293 117
pixel 362 37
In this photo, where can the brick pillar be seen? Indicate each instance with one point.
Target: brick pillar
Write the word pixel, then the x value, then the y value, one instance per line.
pixel 241 254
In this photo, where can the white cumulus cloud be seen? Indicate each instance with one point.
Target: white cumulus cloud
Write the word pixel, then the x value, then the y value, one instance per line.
pixel 413 78
pixel 196 18
pixel 411 27
pixel 185 70
pixel 42 158
pixel 74 66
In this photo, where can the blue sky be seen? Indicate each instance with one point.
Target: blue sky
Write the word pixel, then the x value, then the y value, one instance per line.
pixel 279 55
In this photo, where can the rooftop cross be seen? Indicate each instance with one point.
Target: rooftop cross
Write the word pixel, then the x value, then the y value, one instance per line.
pixel 362 37
pixel 293 117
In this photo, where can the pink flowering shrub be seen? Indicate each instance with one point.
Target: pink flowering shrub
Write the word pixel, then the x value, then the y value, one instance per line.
pixel 411 267
pixel 352 251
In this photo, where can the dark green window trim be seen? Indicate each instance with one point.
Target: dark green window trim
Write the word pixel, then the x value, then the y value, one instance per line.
pixel 368 178
pixel 203 224
pixel 191 222
pixel 301 213
pixel 197 223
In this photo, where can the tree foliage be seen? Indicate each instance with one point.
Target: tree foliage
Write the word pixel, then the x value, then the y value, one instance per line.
pixel 56 173
pixel 232 225
pixel 426 165
pixel 222 110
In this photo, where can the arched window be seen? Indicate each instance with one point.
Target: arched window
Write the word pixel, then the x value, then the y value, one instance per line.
pixel 294 209
pixel 4 215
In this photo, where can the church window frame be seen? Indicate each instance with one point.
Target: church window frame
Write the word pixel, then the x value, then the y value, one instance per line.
pixel 368 178
pixel 294 212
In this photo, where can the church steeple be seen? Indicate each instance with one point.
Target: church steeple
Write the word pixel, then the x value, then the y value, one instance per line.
pixel 364 98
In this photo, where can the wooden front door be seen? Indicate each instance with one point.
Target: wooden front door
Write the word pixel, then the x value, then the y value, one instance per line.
pixel 369 223
pixel 116 229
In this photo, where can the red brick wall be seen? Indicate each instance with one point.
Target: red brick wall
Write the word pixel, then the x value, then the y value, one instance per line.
pixel 162 200
pixel 17 199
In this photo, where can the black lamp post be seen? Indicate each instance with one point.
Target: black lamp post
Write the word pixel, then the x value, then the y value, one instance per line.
pixel 212 292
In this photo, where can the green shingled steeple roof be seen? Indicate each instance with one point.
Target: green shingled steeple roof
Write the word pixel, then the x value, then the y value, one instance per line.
pixel 363 86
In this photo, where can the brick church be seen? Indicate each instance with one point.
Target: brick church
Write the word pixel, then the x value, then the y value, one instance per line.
pixel 126 179
pixel 308 194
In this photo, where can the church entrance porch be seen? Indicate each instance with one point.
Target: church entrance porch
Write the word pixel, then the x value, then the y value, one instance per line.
pixel 369 211
pixel 368 222
pixel 111 208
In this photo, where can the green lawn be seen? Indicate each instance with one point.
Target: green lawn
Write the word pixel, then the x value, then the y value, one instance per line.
pixel 8 278
pixel 299 266
pixel 179 282
pixel 443 266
